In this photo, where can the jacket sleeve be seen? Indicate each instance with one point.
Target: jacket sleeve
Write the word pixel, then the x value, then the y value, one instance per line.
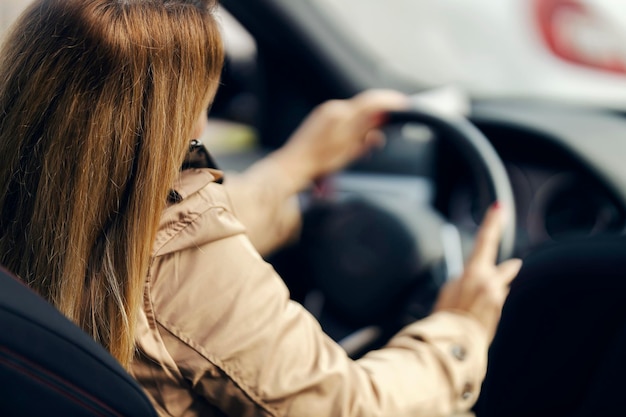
pixel 270 213
pixel 236 337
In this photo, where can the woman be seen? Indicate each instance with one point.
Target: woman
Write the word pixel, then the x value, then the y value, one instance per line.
pixel 98 102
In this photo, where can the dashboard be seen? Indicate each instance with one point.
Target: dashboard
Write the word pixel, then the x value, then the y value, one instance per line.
pixel 565 167
pixel 553 201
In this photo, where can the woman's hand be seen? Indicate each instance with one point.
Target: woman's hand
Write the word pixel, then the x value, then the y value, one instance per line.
pixel 336 133
pixel 483 287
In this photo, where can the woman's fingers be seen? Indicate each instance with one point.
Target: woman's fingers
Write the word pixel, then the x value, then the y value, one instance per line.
pixel 508 270
pixel 339 131
pixel 375 101
pixel 489 235
pixel 484 286
pixel 371 108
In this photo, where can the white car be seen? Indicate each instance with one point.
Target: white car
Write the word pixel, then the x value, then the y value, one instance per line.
pixel 572 50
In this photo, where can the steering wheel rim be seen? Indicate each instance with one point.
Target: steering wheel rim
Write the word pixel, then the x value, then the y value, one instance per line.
pixel 481 157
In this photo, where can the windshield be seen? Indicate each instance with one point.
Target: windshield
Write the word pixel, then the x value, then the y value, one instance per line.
pixel 572 50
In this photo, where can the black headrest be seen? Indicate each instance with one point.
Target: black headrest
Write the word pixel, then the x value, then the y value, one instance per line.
pixel 48 366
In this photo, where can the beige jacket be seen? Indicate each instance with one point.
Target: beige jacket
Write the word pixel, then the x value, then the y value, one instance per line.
pixel 218 334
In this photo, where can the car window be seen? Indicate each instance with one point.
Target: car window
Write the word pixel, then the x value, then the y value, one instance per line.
pixel 230 133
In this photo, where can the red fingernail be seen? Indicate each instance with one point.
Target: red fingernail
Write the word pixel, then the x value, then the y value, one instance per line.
pixel 379 119
pixel 322 187
pixel 496 205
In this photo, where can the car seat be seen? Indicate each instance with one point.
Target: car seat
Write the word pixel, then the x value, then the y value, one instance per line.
pixel 560 346
pixel 48 366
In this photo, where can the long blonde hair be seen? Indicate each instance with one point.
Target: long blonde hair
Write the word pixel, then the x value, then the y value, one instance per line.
pixel 97 103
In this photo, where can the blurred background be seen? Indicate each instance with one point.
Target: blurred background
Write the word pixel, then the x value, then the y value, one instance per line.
pixel 573 50
pixel 562 51
pixel 9 10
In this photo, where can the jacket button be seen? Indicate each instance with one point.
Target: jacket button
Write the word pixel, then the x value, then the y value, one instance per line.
pixel 459 352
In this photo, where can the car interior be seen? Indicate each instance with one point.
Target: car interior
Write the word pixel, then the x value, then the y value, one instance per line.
pixel 385 234
pixel 375 249
pixel 562 162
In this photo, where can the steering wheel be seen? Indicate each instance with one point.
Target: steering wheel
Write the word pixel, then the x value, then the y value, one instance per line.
pixel 378 263
pixel 480 156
